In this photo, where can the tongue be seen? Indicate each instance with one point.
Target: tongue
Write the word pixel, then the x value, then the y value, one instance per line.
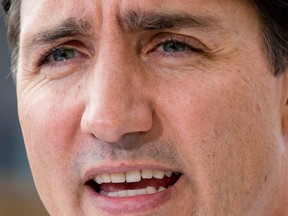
pixel 112 187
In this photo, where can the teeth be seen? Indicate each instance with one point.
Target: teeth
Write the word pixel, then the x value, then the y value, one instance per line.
pixel 122 193
pixel 129 193
pixel 118 177
pixel 168 173
pixel 130 177
pixel 158 174
pixel 99 179
pixel 151 190
pixel 113 194
pixel 161 189
pixel 133 176
pixel 141 191
pixel 147 174
pixel 106 178
pixel 132 192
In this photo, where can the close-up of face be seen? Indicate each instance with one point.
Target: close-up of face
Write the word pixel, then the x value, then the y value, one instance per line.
pixel 150 108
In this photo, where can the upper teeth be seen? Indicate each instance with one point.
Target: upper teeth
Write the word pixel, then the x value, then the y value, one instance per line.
pixel 131 176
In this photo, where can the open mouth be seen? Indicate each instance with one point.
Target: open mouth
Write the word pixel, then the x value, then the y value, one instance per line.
pixel 133 183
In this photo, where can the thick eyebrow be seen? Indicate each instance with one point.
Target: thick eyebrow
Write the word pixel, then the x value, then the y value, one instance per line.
pixel 69 28
pixel 135 21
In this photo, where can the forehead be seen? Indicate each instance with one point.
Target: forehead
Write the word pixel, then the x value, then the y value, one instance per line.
pixel 33 12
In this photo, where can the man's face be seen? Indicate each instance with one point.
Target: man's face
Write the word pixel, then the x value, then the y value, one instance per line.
pixel 149 107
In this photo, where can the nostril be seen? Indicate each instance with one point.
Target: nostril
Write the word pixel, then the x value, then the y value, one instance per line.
pixel 110 132
pixel 110 118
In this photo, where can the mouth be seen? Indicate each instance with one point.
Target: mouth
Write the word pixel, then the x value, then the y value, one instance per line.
pixel 133 183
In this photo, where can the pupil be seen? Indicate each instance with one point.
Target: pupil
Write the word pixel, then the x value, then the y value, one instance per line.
pixel 174 47
pixel 63 55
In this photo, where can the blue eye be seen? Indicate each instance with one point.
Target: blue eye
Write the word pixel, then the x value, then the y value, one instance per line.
pixel 62 54
pixel 175 46
pixel 59 55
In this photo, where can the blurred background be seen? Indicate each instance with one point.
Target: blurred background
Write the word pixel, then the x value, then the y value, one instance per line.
pixel 18 196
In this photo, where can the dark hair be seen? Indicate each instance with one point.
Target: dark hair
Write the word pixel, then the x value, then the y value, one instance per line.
pixel 6 5
pixel 273 16
pixel 12 11
pixel 274 20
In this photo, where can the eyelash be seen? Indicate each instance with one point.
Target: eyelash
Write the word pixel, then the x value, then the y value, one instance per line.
pixel 44 57
pixel 156 44
pixel 188 52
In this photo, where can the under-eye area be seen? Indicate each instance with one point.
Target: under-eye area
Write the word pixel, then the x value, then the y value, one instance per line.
pixel 133 183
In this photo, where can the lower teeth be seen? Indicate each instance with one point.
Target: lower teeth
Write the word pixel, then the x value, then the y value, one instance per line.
pixel 129 193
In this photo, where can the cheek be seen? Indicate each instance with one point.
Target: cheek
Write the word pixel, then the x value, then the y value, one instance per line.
pixel 49 120
pixel 227 137
pixel 50 123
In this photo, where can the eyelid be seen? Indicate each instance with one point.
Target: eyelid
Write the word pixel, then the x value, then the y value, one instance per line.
pixel 58 49
pixel 57 69
pixel 162 38
pixel 71 45
pixel 45 53
pixel 192 48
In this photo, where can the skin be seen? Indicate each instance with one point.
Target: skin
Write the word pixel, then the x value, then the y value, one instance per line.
pixel 217 116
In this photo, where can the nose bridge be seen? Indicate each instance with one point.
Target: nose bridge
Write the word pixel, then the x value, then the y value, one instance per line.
pixel 114 106
pixel 109 93
pixel 112 81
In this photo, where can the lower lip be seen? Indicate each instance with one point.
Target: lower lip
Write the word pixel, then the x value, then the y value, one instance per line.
pixel 141 203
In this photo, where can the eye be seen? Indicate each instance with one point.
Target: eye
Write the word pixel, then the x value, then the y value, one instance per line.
pixel 173 46
pixel 62 54
pixel 60 61
pixel 171 49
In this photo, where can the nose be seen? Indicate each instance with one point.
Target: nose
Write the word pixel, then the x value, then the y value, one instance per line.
pixel 116 104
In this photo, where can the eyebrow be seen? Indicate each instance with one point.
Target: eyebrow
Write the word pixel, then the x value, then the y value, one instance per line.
pixel 135 21
pixel 69 28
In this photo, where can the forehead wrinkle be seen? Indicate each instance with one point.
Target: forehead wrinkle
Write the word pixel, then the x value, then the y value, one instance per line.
pixel 137 20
